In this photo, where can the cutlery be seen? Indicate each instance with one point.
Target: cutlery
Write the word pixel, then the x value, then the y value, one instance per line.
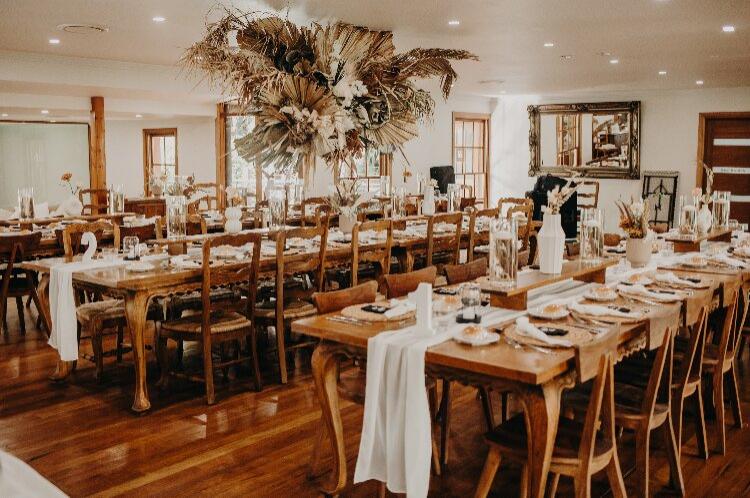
pixel 518 345
pixel 632 297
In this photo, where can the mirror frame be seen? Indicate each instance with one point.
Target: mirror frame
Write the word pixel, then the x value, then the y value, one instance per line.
pixel 633 108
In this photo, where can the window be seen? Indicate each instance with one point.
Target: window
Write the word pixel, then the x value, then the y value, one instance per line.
pixel 159 155
pixel 241 173
pixel 366 170
pixel 471 153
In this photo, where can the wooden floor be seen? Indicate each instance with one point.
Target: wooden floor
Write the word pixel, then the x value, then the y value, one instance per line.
pixel 82 437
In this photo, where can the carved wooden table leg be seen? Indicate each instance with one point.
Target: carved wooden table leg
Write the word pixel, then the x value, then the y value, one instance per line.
pixel 542 411
pixel 324 368
pixel 135 312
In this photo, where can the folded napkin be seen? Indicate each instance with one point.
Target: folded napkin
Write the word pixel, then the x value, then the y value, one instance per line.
pixel 727 260
pixel 399 308
pixel 64 334
pixel 640 290
pixel 528 329
pixel 743 251
pixel 671 278
pixel 599 310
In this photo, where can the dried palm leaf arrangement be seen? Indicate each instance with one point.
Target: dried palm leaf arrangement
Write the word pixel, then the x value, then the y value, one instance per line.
pixel 319 91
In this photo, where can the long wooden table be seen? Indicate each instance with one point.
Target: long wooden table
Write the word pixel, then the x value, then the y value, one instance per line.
pixel 537 379
pixel 693 243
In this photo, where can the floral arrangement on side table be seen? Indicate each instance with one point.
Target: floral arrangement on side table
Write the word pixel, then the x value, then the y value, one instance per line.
pixel 323 91
pixel 634 222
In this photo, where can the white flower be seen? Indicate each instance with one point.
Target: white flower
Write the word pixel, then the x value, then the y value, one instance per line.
pixel 343 91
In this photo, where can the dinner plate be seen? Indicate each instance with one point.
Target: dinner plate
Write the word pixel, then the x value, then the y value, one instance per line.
pixel 540 312
pixel 140 267
pixel 482 339
pixel 639 279
pixel 601 296
pixel 695 262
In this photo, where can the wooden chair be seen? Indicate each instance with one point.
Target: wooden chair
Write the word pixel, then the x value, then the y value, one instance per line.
pixel 400 284
pixel 719 367
pixel 456 274
pixel 444 248
pixel 196 225
pixel 509 202
pixel 94 204
pixel 16 283
pixel 210 201
pixel 144 232
pixel 467 197
pixel 379 258
pixel 581 449
pixel 292 290
pixel 70 236
pixel 524 231
pixel 412 204
pixel 218 324
pixel 475 238
pixel 313 202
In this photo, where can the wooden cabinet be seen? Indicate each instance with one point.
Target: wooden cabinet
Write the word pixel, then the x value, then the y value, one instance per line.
pixel 147 206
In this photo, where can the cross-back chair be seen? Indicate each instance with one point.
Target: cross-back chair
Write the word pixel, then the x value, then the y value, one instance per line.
pixel 72 233
pixel 580 449
pixel 220 322
pixel 378 258
pixel 476 237
pixel 401 284
pixel 297 278
pixel 16 283
pixel 94 203
pixel 444 248
pixel 310 204
pixel 151 231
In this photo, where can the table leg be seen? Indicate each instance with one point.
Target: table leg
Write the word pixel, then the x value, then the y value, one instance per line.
pixel 135 312
pixel 324 368
pixel 542 411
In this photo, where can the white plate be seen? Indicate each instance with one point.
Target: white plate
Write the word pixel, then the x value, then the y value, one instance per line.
pixel 695 263
pixel 538 312
pixel 478 340
pixel 593 296
pixel 638 279
pixel 140 267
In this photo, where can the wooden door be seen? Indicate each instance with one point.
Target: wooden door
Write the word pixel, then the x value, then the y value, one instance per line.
pixel 724 146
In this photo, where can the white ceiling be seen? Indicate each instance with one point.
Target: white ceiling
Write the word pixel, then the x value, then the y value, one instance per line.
pixel 683 37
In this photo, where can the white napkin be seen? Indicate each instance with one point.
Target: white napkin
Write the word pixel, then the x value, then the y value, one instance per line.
pixel 743 251
pixel 64 335
pixel 599 310
pixel 727 260
pixel 9 215
pixel 670 278
pixel 399 308
pixel 528 329
pixel 20 480
pixel 640 290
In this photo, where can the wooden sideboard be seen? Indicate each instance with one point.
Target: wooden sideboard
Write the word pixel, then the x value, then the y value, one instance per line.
pixel 147 206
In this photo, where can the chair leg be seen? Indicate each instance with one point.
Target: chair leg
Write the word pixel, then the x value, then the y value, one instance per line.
pixel 734 397
pixel 614 474
pixel 642 439
pixel 718 391
pixel 162 355
pixel 700 424
pixel 313 470
pixel 554 481
pixel 504 407
pixel 21 316
pixel 582 486
pixel 95 332
pixel 381 490
pixel 445 423
pixel 488 472
pixel 208 372
pixel 3 309
pixel 253 338
pixel 524 484
pixel 281 349
pixel 673 455
pixel 120 332
pixel 677 410
pixel 28 302
pixel 180 351
pixel 489 418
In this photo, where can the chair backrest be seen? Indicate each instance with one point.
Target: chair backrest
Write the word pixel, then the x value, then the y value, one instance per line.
pixel 444 243
pixel 730 331
pixel 15 248
pixel 323 215
pixel 312 264
pixel 455 274
pixel 524 231
pixel 242 274
pixel 508 202
pixel 467 197
pixel 692 362
pixel 145 232
pixel 71 236
pixel 475 215
pixel 195 225
pixel 209 201
pixel 328 302
pixel 400 284
pixel 380 254
pixel 307 217
pixel 94 204
pixel 588 194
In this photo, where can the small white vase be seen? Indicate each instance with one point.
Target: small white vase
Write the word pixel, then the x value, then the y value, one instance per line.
pixel 71 206
pixel 638 251
pixel 428 203
pixel 346 222
pixel 551 244
pixel 705 220
pixel 233 223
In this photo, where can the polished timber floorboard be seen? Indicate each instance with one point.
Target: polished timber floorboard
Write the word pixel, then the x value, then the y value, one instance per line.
pixel 82 437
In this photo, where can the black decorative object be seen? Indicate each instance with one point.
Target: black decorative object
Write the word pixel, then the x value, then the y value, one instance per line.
pixel 444 175
pixel 568 211
pixel 660 188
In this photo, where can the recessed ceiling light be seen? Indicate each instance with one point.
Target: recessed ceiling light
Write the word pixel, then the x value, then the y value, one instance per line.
pixel 54 41
pixel 566 57
pixel 454 22
pixel 53 121
pixel 605 54
pixel 614 61
pixel 139 115
pixel 699 82
pixel 549 44
pixel 662 73
pixel 158 19
pixel 5 114
pixel 45 111
pixel 503 92
pixel 728 28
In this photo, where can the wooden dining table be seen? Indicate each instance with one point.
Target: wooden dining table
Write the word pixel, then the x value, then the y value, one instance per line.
pixel 537 379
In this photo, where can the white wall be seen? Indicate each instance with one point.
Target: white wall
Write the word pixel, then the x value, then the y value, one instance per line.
pixel 669 138
pixel 196 150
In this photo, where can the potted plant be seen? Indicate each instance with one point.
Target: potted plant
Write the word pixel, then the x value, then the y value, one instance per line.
pixel 551 236
pixel 634 222
pixel 345 198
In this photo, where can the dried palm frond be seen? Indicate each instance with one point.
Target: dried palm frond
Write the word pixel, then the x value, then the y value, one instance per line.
pixel 429 63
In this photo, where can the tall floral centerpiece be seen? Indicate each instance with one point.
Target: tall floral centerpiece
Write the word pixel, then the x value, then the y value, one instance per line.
pixel 704 217
pixel 344 199
pixel 634 222
pixel 319 92
pixel 72 205
pixel 551 236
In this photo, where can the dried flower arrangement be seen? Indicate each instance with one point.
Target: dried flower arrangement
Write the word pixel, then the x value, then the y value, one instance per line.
pixel 346 197
pixel 234 196
pixel 320 90
pixel 634 218
pixel 66 181
pixel 559 196
pixel 706 198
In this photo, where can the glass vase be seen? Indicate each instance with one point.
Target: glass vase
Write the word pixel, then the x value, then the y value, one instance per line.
pixel 592 235
pixel 721 209
pixel 26 203
pixel 503 252
pixel 176 215
pixel 276 204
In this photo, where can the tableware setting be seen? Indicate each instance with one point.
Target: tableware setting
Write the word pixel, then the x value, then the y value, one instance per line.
pixel 669 279
pixel 140 267
pixel 638 279
pixel 621 313
pixel 662 295
pixel 525 332
pixel 476 335
pixel 381 311
pixel 601 294
pixel 551 311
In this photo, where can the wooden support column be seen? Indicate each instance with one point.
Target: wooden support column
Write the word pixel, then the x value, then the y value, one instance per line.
pixel 221 153
pixel 97 157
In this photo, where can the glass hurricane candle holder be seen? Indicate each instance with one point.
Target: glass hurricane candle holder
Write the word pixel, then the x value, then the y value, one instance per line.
pixel 720 208
pixel 503 252
pixel 592 235
pixel 688 218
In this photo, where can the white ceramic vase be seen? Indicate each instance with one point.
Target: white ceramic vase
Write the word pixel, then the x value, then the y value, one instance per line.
pixel 233 223
pixel 705 220
pixel 551 244
pixel 346 222
pixel 71 206
pixel 638 251
pixel 428 203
